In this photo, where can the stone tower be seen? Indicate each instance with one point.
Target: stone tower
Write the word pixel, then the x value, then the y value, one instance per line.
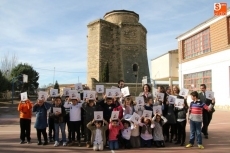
pixel 119 42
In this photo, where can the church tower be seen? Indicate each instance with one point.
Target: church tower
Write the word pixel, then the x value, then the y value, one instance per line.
pixel 117 48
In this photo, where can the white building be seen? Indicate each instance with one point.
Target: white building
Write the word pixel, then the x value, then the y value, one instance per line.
pixel 204 57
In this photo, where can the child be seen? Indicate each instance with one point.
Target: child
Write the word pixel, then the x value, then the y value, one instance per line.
pixel 59 121
pixel 181 123
pixel 66 118
pixel 114 128
pixel 75 119
pixel 98 138
pixel 135 136
pixel 195 119
pixel 89 108
pixel 146 132
pixel 126 134
pixel 51 125
pixel 149 104
pixel 128 106
pixel 158 136
pixel 25 109
pixel 40 108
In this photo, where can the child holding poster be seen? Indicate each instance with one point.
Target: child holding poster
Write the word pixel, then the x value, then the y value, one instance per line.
pixel 41 108
pixel 89 107
pixel 158 136
pixel 114 128
pixel 75 119
pixel 135 135
pixel 98 136
pixel 128 106
pixel 181 121
pixel 25 109
pixel 59 121
pixel 146 132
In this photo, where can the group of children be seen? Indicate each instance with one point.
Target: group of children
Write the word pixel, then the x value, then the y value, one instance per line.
pixel 78 115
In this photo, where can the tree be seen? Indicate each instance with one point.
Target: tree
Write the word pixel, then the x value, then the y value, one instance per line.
pixel 56 86
pixel 33 77
pixel 4 82
pixel 7 64
pixel 105 73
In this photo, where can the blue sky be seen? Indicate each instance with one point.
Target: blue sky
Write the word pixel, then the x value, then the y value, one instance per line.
pixel 52 33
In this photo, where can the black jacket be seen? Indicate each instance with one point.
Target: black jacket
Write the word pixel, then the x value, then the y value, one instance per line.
pixel 60 118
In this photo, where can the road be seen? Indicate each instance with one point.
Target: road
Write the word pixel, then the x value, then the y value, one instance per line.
pixel 219 137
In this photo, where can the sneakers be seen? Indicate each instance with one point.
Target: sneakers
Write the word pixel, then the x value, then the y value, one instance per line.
pixel 64 143
pixel 45 143
pixel 72 143
pixel 56 144
pixel 22 142
pixel 79 144
pixel 200 146
pixel 189 145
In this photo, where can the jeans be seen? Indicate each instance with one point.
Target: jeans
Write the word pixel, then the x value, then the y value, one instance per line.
pixel 25 125
pixel 113 145
pixel 62 127
pixel 195 130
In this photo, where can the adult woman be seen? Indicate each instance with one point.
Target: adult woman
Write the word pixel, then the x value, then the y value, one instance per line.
pixel 146 92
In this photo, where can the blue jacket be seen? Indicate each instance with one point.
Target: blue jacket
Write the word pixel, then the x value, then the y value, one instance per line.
pixel 41 115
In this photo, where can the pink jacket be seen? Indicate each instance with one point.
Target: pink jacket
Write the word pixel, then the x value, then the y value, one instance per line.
pixel 114 131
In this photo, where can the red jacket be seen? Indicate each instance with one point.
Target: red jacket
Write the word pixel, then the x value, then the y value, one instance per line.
pixel 120 109
pixel 114 131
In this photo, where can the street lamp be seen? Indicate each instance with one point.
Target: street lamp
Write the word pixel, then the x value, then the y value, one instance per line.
pixel 25 80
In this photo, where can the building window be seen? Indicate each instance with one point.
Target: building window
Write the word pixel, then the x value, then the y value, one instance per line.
pixel 197 45
pixel 198 78
pixel 228 25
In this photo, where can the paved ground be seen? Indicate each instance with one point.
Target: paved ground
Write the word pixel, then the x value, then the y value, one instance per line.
pixel 219 139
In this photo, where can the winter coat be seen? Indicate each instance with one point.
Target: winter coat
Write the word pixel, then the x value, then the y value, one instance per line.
pixel 41 115
pixel 58 118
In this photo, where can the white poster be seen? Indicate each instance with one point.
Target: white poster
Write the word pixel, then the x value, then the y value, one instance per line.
pixel 53 92
pixel 92 95
pixel 135 118
pixel 78 87
pixel 147 114
pixel 117 92
pixel 160 96
pixel 113 87
pixel 42 95
pixel 66 91
pixel 98 115
pixel 179 103
pixel 25 78
pixel 24 96
pixel 56 109
pixel 209 95
pixel 73 94
pixel 140 100
pixel 85 94
pixel 171 99
pixel 109 92
pixel 157 109
pixel 127 117
pixel 100 88
pixel 125 91
pixel 184 92
pixel 114 115
pixel 155 92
